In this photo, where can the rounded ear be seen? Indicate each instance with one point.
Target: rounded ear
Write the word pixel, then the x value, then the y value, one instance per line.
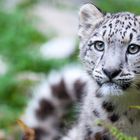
pixel 89 16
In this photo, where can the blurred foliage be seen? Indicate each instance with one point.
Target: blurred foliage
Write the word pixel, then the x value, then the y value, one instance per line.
pixel 25 4
pixel 19 47
pixel 17 38
pixel 118 5
pixel 116 133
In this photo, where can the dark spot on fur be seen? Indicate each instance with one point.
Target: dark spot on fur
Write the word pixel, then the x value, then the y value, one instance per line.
pixel 128 26
pixel 59 90
pixel 57 138
pixel 117 21
pixel 113 118
pixel 95 34
pixel 88 131
pixel 126 86
pixel 126 59
pixel 89 73
pixel 87 26
pixel 45 108
pixel 61 125
pixel 104 26
pixel 138 37
pixel 96 113
pixel 110 25
pixel 90 43
pixel 131 36
pixel 108 106
pixel 65 120
pixel 85 15
pixel 116 31
pixel 124 33
pixel 105 137
pixel 134 30
pixel 79 88
pixel 136 72
pixel 39 132
pixel 130 23
pixel 104 33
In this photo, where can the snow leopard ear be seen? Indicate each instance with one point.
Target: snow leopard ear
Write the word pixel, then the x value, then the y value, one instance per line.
pixel 89 17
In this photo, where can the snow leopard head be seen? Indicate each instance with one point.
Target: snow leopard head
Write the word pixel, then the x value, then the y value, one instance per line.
pixel 110 48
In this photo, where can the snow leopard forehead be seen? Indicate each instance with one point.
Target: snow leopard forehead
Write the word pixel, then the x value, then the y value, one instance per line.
pixel 122 26
pixel 119 27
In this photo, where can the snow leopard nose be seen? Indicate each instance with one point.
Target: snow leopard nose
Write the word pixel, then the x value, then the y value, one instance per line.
pixel 111 73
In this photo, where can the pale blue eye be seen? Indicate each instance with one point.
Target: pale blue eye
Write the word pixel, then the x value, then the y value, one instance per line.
pixel 133 49
pixel 99 45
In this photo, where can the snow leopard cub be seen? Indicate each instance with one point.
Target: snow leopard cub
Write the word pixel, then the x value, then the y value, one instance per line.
pixel 110 52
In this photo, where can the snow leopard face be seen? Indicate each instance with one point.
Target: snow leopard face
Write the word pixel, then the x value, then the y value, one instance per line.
pixel 110 48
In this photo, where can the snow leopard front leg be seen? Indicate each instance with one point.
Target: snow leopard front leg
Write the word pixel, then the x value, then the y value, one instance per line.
pixel 94 109
pixel 87 127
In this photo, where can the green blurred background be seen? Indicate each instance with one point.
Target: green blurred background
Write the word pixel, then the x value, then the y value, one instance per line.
pixel 23 31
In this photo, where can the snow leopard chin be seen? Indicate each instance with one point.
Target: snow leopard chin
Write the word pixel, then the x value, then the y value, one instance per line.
pixel 112 89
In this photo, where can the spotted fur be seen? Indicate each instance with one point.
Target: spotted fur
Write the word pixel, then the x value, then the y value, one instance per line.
pixel 54 96
pixel 110 53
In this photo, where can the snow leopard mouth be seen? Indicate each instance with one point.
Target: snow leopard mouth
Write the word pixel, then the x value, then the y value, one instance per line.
pixel 115 85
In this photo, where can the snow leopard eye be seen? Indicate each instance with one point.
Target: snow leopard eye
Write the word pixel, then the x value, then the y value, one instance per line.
pixel 133 49
pixel 99 45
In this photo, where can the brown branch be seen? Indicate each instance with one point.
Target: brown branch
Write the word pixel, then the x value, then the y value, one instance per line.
pixel 29 133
